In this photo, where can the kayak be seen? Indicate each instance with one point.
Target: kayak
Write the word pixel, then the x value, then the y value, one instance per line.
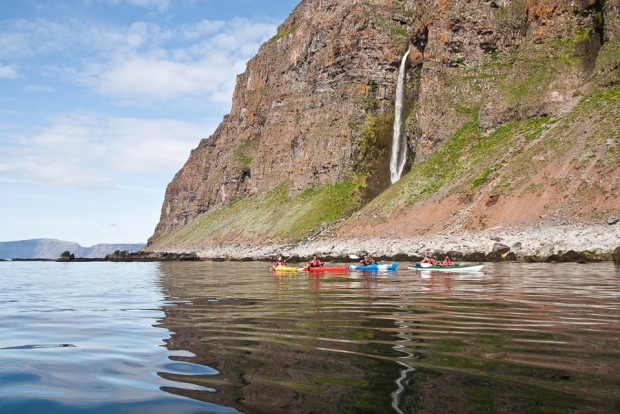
pixel 454 268
pixel 374 267
pixel 282 269
pixel 326 269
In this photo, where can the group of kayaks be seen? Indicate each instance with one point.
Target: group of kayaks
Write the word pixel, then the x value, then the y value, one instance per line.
pixel 381 267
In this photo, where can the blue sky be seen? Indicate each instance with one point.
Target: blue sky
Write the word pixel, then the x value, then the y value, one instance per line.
pixel 102 100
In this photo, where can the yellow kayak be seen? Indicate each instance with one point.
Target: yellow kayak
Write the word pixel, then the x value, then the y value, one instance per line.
pixel 283 269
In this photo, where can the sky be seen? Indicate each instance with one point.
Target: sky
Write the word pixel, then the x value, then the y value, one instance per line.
pixel 101 102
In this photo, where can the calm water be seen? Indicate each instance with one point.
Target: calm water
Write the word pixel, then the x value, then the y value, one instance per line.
pixel 230 337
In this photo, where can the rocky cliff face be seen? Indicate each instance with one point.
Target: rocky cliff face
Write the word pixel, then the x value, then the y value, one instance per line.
pixel 314 110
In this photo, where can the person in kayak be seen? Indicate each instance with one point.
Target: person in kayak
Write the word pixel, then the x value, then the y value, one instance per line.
pixel 368 260
pixel 447 262
pixel 430 260
pixel 315 262
pixel 279 262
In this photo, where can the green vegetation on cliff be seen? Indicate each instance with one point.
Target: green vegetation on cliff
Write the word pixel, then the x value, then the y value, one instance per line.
pixel 274 215
pixel 283 33
pixel 463 163
pixel 516 156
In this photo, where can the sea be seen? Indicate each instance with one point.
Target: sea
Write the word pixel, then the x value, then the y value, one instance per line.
pixel 229 337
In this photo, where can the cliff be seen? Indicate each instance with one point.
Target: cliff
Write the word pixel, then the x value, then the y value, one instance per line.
pixel 511 120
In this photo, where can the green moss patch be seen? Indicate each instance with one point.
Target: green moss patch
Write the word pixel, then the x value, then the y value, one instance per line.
pixel 465 162
pixel 244 153
pixel 375 137
pixel 274 215
pixel 283 33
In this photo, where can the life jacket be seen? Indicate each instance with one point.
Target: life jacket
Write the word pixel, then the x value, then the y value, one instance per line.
pixel 315 263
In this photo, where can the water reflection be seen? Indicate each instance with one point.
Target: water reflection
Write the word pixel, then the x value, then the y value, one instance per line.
pixel 83 338
pixel 518 338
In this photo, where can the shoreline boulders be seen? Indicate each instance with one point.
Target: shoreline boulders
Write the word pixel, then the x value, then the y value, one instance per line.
pixel 499 253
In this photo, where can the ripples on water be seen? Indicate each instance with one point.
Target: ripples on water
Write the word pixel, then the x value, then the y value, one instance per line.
pixel 219 337
pixel 82 338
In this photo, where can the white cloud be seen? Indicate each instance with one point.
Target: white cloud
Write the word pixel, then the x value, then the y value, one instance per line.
pixel 97 150
pixel 206 66
pixel 139 62
pixel 33 39
pixel 38 88
pixel 160 5
pixel 7 72
pixel 202 28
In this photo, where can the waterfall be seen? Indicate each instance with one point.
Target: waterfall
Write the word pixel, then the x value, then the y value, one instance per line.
pixel 399 145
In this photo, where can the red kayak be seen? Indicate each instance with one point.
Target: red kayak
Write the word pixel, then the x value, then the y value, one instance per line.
pixel 327 269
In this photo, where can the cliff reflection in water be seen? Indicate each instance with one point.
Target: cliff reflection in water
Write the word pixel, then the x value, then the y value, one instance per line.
pixel 397 342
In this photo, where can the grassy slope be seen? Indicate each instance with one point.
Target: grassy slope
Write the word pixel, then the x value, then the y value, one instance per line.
pixel 575 157
pixel 273 216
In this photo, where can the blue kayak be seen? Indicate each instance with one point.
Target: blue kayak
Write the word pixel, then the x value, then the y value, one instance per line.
pixel 375 267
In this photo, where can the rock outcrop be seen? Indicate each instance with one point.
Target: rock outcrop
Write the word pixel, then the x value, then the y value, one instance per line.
pixel 511 119
pixel 66 256
pixel 126 256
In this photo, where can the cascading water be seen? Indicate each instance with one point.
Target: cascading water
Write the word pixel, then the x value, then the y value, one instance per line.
pixel 399 145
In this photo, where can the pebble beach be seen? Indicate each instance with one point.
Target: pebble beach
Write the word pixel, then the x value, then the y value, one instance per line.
pixel 541 241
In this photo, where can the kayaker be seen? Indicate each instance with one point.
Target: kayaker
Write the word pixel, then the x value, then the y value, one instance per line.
pixel 368 260
pixel 447 261
pixel 315 262
pixel 279 262
pixel 430 260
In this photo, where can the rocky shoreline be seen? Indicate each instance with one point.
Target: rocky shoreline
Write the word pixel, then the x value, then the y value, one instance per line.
pixel 541 243
pixel 579 243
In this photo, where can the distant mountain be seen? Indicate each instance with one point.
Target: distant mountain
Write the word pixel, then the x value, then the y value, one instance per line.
pixel 52 249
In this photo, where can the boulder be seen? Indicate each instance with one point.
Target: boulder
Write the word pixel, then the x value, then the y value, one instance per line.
pixel 587 256
pixel 546 250
pixel 500 248
pixel 455 255
pixel 474 257
pixel 66 256
pixel 415 258
pixel 294 259
pixel 510 257
pixel 494 257
pixel 617 255
pixel 401 257
pixel 570 256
